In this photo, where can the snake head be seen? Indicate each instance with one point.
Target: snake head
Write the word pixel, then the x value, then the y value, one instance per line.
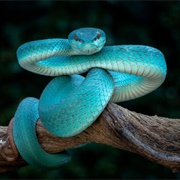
pixel 87 41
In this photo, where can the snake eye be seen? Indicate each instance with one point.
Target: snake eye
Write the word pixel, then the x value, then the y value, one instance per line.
pixel 98 36
pixel 75 37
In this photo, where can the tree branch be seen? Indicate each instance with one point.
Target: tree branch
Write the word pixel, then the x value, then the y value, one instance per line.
pixel 155 138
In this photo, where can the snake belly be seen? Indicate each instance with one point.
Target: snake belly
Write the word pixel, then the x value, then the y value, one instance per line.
pixel 70 103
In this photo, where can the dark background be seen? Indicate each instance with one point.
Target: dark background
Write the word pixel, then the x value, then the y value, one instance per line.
pixel 155 24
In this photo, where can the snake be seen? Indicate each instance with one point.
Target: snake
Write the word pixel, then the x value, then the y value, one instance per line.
pixel 87 76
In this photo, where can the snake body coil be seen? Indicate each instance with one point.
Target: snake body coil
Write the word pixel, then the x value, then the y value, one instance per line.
pixel 70 103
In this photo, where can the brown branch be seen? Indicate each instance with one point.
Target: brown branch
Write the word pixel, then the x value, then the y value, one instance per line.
pixel 155 138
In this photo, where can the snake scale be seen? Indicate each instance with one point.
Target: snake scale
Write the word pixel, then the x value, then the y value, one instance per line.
pixel 70 102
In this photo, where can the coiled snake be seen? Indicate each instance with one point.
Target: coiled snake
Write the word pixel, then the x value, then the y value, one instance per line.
pixel 70 103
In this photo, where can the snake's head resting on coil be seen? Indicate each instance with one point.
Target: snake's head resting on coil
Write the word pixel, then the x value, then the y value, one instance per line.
pixel 87 41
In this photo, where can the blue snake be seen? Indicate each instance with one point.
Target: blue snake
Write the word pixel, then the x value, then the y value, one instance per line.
pixel 70 103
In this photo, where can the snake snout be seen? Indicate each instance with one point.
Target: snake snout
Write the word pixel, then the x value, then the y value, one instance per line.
pixel 89 49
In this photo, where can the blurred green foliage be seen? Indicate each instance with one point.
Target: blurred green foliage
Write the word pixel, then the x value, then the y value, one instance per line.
pixel 155 24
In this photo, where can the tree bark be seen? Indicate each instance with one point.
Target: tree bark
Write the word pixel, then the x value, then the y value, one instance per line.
pixel 155 138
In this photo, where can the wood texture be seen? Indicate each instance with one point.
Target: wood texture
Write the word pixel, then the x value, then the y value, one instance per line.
pixel 155 138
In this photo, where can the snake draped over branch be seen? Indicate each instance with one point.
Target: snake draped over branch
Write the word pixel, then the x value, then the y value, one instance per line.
pixel 70 103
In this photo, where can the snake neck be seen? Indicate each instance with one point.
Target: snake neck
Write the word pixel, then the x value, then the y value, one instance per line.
pixel 35 51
